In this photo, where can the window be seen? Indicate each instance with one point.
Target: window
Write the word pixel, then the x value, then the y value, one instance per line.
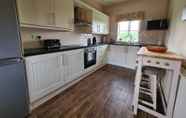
pixel 128 31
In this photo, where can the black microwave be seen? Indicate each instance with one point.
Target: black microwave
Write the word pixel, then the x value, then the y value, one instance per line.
pixel 161 24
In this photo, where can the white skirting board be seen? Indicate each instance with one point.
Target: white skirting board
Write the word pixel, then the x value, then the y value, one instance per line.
pixel 58 91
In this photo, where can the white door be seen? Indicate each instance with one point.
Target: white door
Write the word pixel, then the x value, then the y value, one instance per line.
pixel 75 61
pixel 101 55
pixel 117 55
pixel 131 56
pixel 100 23
pixel 26 11
pixel 43 75
pixel 45 12
pixel 64 14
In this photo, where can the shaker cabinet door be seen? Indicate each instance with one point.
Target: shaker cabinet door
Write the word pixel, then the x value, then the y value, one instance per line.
pixel 100 23
pixel 75 61
pixel 43 75
pixel 26 10
pixel 45 12
pixel 64 14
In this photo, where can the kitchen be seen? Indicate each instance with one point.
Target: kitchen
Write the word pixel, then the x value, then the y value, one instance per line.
pixel 92 59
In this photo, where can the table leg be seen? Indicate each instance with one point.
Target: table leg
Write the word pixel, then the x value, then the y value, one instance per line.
pixel 137 85
pixel 173 90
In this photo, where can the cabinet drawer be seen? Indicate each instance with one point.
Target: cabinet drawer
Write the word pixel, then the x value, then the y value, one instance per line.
pixel 156 62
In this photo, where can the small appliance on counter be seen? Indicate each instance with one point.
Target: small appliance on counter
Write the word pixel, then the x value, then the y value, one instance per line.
pixel 94 41
pixel 89 42
pixel 52 43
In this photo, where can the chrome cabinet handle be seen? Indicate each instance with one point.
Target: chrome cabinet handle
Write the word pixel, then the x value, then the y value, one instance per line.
pixel 149 61
pixel 167 64
pixel 157 62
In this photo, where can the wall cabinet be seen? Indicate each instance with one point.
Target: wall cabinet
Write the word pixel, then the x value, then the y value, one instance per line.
pixel 64 14
pixel 88 17
pixel 26 10
pixel 52 14
pixel 46 73
pixel 100 23
pixel 45 12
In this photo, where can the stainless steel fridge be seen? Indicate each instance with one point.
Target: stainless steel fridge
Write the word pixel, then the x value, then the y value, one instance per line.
pixel 13 85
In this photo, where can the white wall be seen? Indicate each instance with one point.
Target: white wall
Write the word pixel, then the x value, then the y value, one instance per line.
pixel 176 37
pixel 29 40
pixel 153 9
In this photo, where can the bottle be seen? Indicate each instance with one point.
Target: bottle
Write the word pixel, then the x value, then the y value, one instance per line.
pixel 89 42
pixel 94 40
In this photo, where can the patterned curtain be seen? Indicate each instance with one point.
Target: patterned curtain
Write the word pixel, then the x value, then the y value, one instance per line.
pixel 140 15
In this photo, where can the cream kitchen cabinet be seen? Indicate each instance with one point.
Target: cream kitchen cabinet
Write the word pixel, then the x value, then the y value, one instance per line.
pixel 43 74
pixel 74 64
pixel 64 14
pixel 124 56
pixel 102 54
pixel 49 72
pixel 100 23
pixel 47 14
pixel 26 10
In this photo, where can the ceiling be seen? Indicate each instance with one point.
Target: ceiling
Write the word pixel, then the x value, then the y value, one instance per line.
pixel 109 2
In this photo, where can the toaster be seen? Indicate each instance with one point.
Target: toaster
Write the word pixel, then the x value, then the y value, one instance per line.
pixel 52 43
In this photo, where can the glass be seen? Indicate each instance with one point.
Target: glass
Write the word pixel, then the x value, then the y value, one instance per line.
pixel 128 31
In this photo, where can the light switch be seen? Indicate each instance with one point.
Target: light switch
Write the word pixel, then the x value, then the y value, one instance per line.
pixel 184 14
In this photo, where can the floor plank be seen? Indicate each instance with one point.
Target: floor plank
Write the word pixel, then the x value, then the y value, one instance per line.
pixel 107 93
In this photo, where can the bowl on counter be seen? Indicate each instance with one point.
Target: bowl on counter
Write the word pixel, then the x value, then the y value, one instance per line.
pixel 159 49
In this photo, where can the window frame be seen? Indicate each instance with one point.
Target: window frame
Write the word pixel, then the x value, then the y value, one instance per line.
pixel 129 31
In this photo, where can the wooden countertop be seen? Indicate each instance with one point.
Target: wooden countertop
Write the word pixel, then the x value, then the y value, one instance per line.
pixel 168 55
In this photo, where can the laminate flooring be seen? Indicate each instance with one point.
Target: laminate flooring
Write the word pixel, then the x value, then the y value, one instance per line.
pixel 107 93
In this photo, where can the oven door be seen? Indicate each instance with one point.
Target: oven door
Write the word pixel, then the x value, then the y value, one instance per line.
pixel 89 58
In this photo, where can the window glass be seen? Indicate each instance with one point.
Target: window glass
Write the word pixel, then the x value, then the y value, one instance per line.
pixel 128 31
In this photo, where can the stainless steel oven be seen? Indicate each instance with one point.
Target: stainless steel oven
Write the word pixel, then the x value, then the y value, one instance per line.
pixel 90 57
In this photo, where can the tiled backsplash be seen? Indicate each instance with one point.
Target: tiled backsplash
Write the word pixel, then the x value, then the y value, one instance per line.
pixel 29 39
pixel 152 37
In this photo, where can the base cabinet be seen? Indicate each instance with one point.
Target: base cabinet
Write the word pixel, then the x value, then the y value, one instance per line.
pixel 74 64
pixel 102 54
pixel 43 74
pixel 124 56
pixel 50 72
pixel 46 73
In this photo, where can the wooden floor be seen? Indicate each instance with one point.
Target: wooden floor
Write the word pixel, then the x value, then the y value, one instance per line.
pixel 106 93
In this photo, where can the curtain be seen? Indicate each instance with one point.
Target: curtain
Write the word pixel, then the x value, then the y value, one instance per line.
pixel 140 15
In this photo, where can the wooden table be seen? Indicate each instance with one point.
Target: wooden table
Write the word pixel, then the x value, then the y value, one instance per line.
pixel 168 61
